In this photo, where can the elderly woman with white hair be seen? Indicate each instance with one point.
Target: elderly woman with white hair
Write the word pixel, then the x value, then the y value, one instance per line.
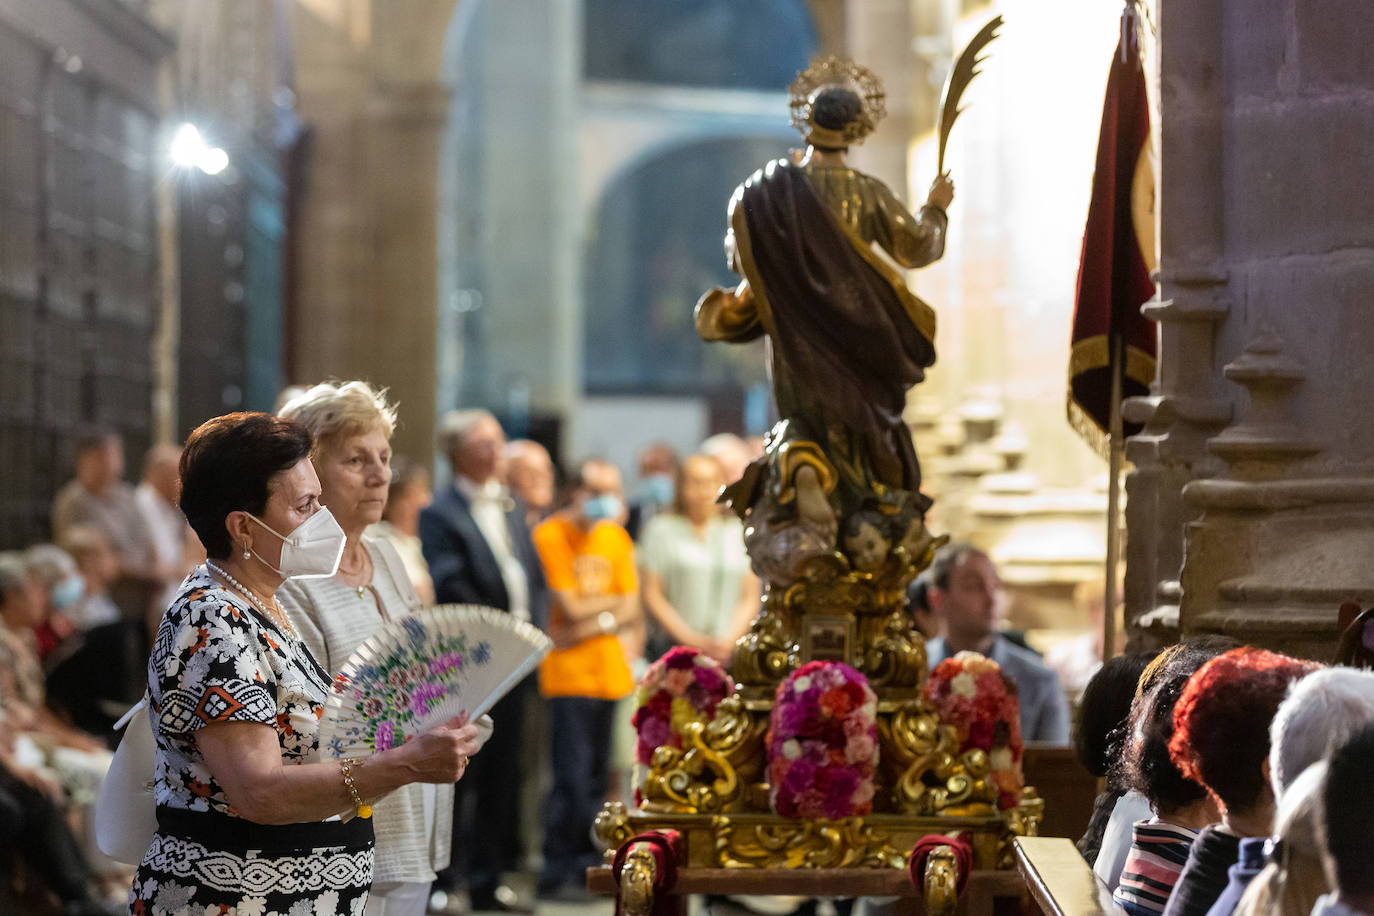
pixel 351 426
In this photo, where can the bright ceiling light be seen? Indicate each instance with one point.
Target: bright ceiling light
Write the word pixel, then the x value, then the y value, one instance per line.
pixel 187 145
pixel 189 150
pixel 212 160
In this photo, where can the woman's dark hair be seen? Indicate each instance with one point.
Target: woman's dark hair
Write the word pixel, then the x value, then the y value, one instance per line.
pixel 1104 708
pixel 227 466
pixel 1142 761
pixel 1347 809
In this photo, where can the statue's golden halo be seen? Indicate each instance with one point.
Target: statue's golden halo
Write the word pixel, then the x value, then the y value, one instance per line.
pixel 836 73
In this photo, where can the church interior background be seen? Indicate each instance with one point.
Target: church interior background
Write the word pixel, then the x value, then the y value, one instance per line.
pixel 514 204
pixel 528 195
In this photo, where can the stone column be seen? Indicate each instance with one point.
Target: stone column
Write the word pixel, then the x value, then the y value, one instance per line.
pixel 398 321
pixel 1276 245
pixel 879 34
pixel 1189 402
pixel 376 103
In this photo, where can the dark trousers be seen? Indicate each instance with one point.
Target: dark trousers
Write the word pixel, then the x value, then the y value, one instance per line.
pixel 486 802
pixel 580 735
pixel 33 827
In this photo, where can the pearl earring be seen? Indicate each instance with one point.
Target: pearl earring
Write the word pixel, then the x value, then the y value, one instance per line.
pixel 246 553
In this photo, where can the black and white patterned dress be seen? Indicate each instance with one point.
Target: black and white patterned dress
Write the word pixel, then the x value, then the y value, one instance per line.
pixel 218 659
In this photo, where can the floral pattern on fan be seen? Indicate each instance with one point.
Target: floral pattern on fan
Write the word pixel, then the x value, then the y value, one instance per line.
pixel 423 669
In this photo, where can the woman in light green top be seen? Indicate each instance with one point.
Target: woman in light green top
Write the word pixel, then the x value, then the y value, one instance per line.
pixel 694 573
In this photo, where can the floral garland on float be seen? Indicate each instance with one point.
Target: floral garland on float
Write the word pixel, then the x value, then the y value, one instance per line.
pixel 971 693
pixel 683 686
pixel 823 743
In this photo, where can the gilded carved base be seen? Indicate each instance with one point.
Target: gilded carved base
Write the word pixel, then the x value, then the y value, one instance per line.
pixel 760 840
pixel 713 791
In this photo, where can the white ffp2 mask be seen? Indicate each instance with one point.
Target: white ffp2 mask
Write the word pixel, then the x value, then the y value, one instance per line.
pixel 312 551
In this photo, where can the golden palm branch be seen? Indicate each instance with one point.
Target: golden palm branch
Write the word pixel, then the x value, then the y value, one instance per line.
pixel 965 69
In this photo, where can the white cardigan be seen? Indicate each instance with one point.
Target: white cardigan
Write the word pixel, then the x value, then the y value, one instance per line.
pixel 414 824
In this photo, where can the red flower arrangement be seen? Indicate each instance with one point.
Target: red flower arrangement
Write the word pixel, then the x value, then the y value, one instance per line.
pixel 972 694
pixel 823 743
pixel 683 686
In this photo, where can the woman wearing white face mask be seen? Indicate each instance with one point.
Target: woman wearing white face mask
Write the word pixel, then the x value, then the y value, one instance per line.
pixel 351 425
pixel 246 809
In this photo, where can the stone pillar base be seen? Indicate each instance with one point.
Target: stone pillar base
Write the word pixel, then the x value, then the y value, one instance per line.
pixel 1270 562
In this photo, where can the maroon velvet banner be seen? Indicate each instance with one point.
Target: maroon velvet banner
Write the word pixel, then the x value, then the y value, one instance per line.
pixel 1113 276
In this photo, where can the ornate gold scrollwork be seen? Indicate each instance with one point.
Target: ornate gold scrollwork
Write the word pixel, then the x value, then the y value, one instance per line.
pixel 928 778
pixel 612 826
pixel 847 843
pixel 769 651
pixel 918 755
pixel 711 771
pixel 941 880
pixel 637 880
pixel 897 656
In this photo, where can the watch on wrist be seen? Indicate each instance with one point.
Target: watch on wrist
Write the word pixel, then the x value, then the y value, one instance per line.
pixel 606 620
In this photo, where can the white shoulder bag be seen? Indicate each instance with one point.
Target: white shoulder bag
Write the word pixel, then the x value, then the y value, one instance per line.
pixel 126 810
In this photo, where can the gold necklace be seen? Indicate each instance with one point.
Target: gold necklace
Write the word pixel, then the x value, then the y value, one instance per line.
pixel 276 613
pixel 360 589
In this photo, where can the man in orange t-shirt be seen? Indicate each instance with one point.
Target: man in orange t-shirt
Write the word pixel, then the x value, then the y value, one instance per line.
pixel 589 563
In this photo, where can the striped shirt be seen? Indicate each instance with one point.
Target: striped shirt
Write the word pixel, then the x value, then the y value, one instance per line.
pixel 1157 855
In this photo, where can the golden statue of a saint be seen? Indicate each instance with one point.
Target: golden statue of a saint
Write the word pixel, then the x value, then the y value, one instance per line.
pixel 846 337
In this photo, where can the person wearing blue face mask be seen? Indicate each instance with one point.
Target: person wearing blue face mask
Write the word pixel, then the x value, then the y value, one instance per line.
pixel 658 471
pixel 597 626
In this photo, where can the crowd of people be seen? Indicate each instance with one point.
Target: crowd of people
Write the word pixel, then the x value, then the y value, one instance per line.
pixel 1236 782
pixel 239 575
pixel 236 579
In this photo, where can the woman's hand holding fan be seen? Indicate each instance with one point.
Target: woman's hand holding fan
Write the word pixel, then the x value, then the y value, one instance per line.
pixel 441 753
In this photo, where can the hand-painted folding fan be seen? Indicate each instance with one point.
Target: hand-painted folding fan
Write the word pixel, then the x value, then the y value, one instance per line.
pixel 423 669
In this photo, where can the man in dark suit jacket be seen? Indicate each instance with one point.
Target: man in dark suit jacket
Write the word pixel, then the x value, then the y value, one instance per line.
pixel 477 544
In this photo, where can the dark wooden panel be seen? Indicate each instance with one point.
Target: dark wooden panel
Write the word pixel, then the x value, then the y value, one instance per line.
pixel 78 273
pixel 1066 786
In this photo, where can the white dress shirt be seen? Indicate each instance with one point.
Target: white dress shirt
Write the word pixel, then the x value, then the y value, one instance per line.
pixel 489 503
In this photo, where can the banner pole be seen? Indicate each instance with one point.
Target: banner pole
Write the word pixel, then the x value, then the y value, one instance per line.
pixel 1115 449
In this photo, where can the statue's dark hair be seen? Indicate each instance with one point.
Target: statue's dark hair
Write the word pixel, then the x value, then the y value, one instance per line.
pixel 862 517
pixel 834 108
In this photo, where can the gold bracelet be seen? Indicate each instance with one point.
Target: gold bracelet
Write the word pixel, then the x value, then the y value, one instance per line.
pixel 346 770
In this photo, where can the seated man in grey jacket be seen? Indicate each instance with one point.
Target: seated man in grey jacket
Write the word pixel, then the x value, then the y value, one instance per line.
pixel 963 592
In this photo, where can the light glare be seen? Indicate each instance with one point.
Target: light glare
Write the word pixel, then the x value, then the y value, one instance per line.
pixel 187 145
pixel 212 160
pixel 189 150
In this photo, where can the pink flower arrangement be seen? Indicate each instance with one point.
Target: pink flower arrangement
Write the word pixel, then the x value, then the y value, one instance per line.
pixel 972 694
pixel 683 686
pixel 823 743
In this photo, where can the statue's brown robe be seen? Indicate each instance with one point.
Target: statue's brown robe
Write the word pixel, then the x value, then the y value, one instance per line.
pixel 846 336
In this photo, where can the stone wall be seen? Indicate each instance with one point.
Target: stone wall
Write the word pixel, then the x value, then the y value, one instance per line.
pixel 1254 471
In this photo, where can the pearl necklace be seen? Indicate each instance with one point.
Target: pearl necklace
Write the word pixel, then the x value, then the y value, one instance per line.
pixel 274 614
